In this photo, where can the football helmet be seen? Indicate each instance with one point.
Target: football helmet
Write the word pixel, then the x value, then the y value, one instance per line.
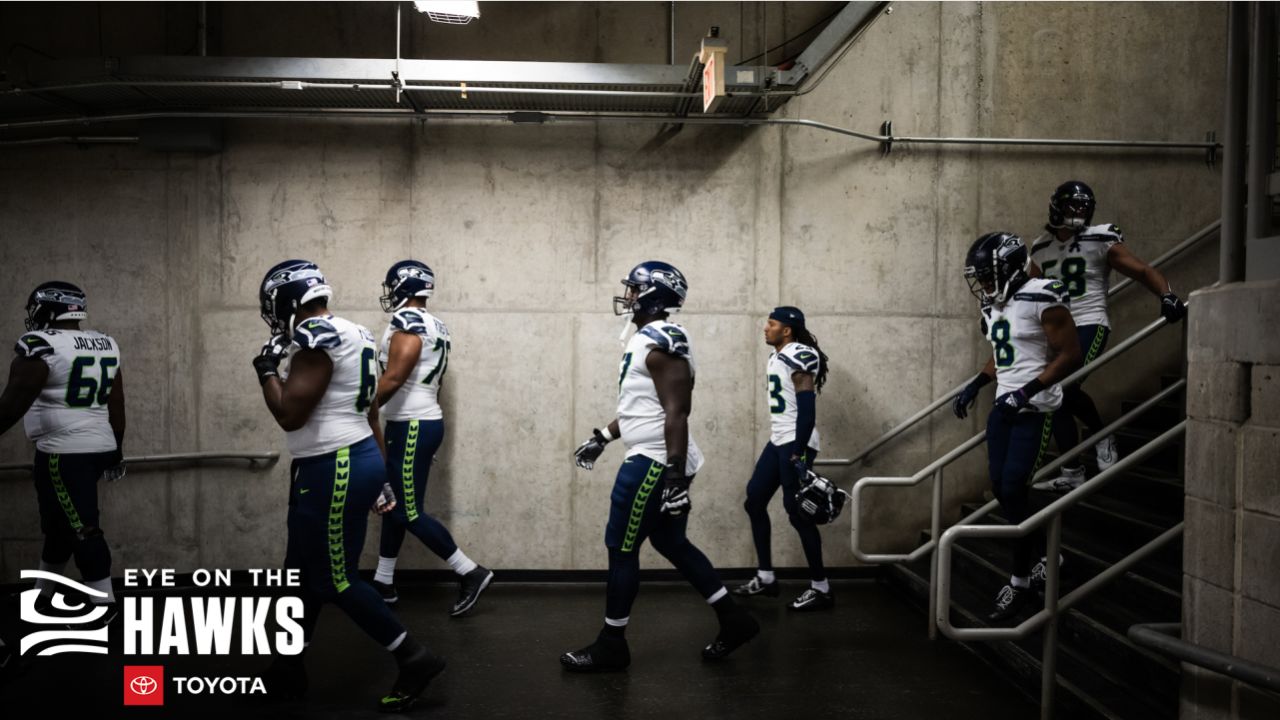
pixel 286 288
pixel 406 279
pixel 819 499
pixel 1071 206
pixel 54 301
pixel 998 261
pixel 651 287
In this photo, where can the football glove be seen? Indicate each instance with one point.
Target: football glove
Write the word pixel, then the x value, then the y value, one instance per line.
pixel 267 362
pixel 115 466
pixel 587 453
pixel 386 500
pixel 675 492
pixel 1172 307
pixel 964 402
pixel 800 466
pixel 1012 402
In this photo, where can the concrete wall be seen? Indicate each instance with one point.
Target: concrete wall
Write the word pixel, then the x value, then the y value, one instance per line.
pixel 1231 592
pixel 529 229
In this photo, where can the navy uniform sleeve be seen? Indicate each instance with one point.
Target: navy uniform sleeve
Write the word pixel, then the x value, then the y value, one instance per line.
pixel 669 339
pixel 410 321
pixel 317 334
pixel 32 345
pixel 800 358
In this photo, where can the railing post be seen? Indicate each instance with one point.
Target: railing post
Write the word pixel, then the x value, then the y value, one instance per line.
pixel 935 527
pixel 1049 654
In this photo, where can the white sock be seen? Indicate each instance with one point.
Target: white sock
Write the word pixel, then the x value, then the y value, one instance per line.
pixel 1019 582
pixel 1045 559
pixel 46 586
pixel 460 563
pixel 717 595
pixel 617 623
pixel 103 585
pixel 766 576
pixel 821 586
pixel 386 571
pixel 399 639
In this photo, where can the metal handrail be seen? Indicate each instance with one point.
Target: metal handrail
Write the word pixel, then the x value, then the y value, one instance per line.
pixel 1052 516
pixel 266 458
pixel 1195 239
pixel 1163 638
pixel 935 468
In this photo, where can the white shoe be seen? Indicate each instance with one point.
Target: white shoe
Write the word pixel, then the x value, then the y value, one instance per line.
pixel 1069 480
pixel 1107 454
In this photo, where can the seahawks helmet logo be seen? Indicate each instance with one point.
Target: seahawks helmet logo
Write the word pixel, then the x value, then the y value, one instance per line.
pixel 671 280
pixel 65 637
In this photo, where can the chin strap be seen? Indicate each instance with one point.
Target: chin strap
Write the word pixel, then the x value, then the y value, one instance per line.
pixel 627 326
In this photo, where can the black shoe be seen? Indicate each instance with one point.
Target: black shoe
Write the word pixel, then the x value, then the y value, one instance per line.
pixel 813 599
pixel 469 589
pixel 1039 575
pixel 756 586
pixel 1009 602
pixel 286 678
pixel 736 630
pixel 416 672
pixel 606 654
pixel 387 591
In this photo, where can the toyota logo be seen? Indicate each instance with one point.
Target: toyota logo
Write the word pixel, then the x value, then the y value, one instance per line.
pixel 143 685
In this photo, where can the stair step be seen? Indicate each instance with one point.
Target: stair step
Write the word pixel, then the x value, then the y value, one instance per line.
pixel 1168 461
pixel 1162 495
pixel 1159 417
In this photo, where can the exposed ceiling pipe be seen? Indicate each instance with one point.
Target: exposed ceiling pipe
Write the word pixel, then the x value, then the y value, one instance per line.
pixel 74 140
pixel 541 118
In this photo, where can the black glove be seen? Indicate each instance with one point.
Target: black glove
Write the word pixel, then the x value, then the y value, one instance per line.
pixel 386 500
pixel 675 492
pixel 1013 402
pixel 115 466
pixel 587 453
pixel 964 402
pixel 800 466
pixel 267 362
pixel 1172 308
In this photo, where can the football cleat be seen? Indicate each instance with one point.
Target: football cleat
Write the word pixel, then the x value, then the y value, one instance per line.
pixel 1009 602
pixel 1039 575
pixel 1106 452
pixel 387 591
pixel 736 629
pixel 813 599
pixel 606 654
pixel 469 588
pixel 756 586
pixel 416 672
pixel 1070 479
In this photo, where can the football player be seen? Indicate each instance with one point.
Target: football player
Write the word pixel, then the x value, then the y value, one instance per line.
pixel 651 493
pixel 794 374
pixel 324 401
pixel 1083 255
pixel 66 386
pixel 1034 345
pixel 415 355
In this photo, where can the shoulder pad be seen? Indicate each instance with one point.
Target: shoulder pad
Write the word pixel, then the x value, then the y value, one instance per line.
pixel 32 345
pixel 409 320
pixel 668 338
pixel 317 334
pixel 800 358
pixel 1115 230
pixel 1037 247
pixel 1052 291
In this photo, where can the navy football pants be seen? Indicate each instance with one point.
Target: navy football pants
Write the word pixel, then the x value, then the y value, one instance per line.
pixel 1076 403
pixel 67 495
pixel 1016 443
pixel 774 470
pixel 329 502
pixel 411 446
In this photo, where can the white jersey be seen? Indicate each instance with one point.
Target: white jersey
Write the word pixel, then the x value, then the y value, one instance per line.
pixel 341 419
pixel 418 398
pixel 70 414
pixel 781 389
pixel 641 418
pixel 1081 264
pixel 1018 342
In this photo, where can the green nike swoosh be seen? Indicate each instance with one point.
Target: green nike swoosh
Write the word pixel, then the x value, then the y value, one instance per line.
pixel 304 491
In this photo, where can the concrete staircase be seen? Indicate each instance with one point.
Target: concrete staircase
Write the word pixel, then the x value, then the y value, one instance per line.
pixel 1101 674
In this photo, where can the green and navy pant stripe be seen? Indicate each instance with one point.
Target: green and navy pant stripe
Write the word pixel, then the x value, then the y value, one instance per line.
pixel 1016 444
pixel 67 494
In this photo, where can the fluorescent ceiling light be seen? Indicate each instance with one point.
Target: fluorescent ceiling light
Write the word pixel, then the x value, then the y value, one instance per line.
pixel 451 12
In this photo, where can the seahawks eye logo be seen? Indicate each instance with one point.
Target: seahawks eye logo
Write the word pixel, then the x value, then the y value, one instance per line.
pixel 66 616
pixel 671 280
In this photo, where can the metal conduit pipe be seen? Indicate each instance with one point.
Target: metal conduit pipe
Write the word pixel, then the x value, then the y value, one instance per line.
pixel 543 117
pixel 1165 639
pixel 74 140
pixel 267 457
pixel 1231 252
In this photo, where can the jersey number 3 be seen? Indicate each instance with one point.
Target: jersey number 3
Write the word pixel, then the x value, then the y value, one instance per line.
pixel 775 394
pixel 83 392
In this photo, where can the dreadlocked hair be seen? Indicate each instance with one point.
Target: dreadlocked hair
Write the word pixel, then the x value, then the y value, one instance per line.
pixel 804 337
